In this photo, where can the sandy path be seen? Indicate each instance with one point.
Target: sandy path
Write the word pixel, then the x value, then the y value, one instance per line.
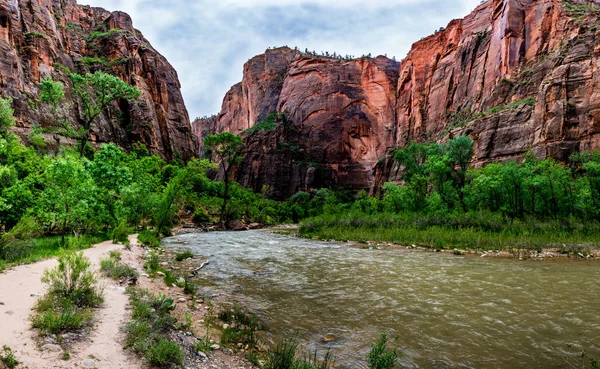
pixel 19 290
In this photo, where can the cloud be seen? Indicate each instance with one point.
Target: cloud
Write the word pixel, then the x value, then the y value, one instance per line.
pixel 208 41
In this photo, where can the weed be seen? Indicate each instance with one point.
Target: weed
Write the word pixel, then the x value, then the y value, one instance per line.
pixel 164 353
pixel 152 263
pixel 380 357
pixel 113 268
pixel 149 239
pixel 7 357
pixel 184 256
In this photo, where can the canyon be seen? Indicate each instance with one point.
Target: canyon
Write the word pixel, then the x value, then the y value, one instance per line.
pixel 514 75
pixel 45 38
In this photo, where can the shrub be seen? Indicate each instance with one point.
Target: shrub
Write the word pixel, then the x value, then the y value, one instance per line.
pixel 201 216
pixel 152 263
pixel 164 353
pixel 149 239
pixel 56 317
pixel 7 357
pixel 121 233
pixel 183 256
pixel 380 357
pixel 115 269
pixel 73 279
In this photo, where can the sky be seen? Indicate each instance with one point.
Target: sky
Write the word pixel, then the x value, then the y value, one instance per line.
pixel 208 41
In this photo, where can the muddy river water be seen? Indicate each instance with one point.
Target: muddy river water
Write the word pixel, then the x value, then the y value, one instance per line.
pixel 444 311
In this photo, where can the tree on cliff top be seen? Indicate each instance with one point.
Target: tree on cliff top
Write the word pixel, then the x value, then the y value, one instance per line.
pixel 227 148
pixel 97 92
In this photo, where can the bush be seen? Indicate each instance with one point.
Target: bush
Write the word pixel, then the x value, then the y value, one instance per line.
pixel 54 317
pixel 152 263
pixel 121 233
pixel 284 357
pixel 201 216
pixel 149 239
pixel 7 357
pixel 164 353
pixel 73 279
pixel 184 256
pixel 380 357
pixel 151 322
pixel 115 269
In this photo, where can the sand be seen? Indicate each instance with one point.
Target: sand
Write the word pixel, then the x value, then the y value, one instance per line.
pixel 19 290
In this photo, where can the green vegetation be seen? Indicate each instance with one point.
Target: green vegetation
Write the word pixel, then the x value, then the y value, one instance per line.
pixel 579 11
pixel 242 327
pixel 285 356
pixel 444 203
pixel 461 118
pixel 7 120
pixel 114 268
pixel 380 357
pixel 90 61
pixel 72 292
pixel 227 148
pixel 101 34
pixel 148 329
pixel 268 124
pixel 7 357
pixel 183 256
pixel 35 34
pixel 51 93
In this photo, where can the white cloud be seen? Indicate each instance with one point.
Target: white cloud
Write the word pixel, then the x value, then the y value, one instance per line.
pixel 209 41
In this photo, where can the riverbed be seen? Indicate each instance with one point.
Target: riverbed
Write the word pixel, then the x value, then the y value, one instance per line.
pixel 441 310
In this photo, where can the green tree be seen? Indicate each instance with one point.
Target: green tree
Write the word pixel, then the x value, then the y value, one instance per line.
pixel 460 151
pixel 7 120
pixel 68 200
pixel 51 92
pixel 96 93
pixel 227 148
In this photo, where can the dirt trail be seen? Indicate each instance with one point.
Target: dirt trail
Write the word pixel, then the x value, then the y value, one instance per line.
pixel 19 290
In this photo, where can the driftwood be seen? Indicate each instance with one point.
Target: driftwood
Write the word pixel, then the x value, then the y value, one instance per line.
pixel 195 271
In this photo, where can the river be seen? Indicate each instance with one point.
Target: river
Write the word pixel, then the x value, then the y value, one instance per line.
pixel 442 310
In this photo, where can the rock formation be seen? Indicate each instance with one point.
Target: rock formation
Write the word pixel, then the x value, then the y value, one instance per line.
pixel 515 75
pixel 42 38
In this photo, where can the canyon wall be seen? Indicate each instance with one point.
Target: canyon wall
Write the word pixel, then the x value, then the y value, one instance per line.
pixel 515 75
pixel 48 38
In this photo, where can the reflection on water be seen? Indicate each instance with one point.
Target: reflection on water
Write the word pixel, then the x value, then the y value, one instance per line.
pixel 447 311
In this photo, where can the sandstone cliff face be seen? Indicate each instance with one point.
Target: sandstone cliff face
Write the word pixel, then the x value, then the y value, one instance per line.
pixel 515 75
pixel 38 38
pixel 342 113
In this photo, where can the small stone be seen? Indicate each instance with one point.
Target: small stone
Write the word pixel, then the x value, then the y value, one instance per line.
pixel 9 312
pixel 225 326
pixel 328 338
pixel 164 263
pixel 145 275
pixel 202 355
pixel 89 363
pixel 215 347
pixel 161 274
pixel 183 299
pixel 1 302
pixel 36 295
pixel 52 347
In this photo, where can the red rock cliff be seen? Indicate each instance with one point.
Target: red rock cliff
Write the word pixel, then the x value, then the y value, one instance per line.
pixel 38 38
pixel 515 75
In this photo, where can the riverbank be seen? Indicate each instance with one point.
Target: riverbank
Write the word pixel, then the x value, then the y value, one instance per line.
pixel 520 240
pixel 101 347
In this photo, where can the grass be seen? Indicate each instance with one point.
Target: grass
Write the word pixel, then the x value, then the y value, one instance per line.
pixel 89 61
pixel 148 329
pixel 113 267
pixel 285 356
pixel 7 357
pixel 496 109
pixel 183 256
pixel 148 238
pixel 469 231
pixel 242 329
pixel 380 357
pixel 18 252
pixel 73 292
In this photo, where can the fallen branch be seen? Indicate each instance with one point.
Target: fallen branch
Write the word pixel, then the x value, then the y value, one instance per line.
pixel 195 271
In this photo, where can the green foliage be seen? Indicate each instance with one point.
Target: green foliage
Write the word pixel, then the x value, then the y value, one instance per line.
pixel 266 125
pixel 284 356
pixel 148 239
pixel 579 11
pixel 152 262
pixel 7 357
pixel 51 92
pixel 90 61
pixel 7 120
pixel 380 357
pixel 183 256
pixel 121 233
pixel 100 34
pixel 74 279
pixel 72 291
pixel 35 35
pixel 164 353
pixel 148 329
pixel 112 267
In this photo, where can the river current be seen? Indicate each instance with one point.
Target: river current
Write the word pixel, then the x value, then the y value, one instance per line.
pixel 441 310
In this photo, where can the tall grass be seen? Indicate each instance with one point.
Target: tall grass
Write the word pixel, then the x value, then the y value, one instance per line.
pixel 479 231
